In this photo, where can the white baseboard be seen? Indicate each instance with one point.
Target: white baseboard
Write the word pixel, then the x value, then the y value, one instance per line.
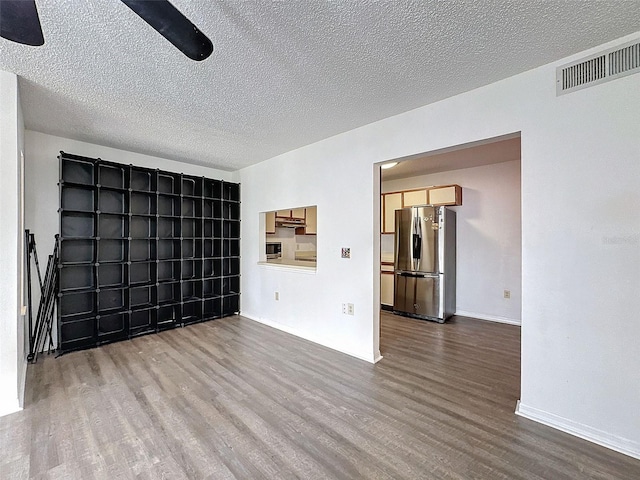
pixel 319 341
pixel 490 318
pixel 614 442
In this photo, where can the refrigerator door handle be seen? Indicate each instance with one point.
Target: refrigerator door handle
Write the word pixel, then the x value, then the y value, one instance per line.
pixel 416 274
pixel 417 239
pixel 417 246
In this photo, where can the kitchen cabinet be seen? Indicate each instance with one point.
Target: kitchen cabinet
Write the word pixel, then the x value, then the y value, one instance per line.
pixel 270 220
pixel 293 213
pixel 298 213
pixel 310 228
pixel 412 198
pixel 445 195
pixel 440 195
pixel 386 285
pixel 390 203
pixel 311 221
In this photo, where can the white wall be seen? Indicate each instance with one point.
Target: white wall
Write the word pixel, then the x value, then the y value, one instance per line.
pixel 310 305
pixel 41 184
pixel 580 238
pixel 23 326
pixel 488 237
pixel 12 361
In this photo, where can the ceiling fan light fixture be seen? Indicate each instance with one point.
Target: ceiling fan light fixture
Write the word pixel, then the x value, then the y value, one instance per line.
pixel 388 165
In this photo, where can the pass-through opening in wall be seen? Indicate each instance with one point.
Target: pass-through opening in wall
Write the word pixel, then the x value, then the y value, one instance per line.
pixel 290 237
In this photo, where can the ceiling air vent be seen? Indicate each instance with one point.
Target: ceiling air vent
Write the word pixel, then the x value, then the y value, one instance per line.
pixel 584 72
pixel 599 68
pixel 624 59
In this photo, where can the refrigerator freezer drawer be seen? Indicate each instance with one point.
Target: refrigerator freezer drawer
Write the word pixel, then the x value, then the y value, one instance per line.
pixel 419 295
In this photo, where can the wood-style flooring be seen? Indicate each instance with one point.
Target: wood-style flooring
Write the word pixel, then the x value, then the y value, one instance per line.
pixel 232 398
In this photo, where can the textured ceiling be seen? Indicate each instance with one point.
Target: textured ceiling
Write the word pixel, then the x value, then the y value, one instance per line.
pixel 283 74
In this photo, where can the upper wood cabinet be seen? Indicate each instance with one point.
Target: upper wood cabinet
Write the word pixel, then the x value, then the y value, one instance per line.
pixel 390 203
pixel 311 215
pixel 270 221
pixel 298 213
pixel 412 198
pixel 445 195
pixel 308 215
pixel 293 213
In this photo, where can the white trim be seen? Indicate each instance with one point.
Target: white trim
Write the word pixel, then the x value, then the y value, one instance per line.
pixel 614 442
pixel 319 341
pixel 22 382
pixel 490 318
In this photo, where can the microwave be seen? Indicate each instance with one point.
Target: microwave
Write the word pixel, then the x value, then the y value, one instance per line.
pixel 274 250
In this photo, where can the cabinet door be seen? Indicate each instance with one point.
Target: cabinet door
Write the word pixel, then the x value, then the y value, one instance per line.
pixel 270 226
pixel 297 213
pixel 386 288
pixel 392 202
pixel 450 195
pixel 415 197
pixel 283 213
pixel 311 215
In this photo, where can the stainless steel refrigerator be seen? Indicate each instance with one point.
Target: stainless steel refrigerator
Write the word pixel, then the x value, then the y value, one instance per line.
pixel 425 263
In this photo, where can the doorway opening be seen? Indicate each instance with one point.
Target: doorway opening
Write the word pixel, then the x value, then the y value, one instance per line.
pixel 488 272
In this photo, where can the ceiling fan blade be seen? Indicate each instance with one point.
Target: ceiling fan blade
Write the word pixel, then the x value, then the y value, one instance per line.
pixel 19 22
pixel 174 26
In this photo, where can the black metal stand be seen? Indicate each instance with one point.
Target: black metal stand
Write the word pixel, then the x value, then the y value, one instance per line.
pixel 48 294
pixel 29 248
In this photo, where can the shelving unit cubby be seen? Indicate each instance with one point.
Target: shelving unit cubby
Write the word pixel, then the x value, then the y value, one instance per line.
pixel 142 250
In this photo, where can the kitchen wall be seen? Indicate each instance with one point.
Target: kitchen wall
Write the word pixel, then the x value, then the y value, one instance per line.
pixel 42 173
pixel 580 238
pixel 12 351
pixel 488 237
pixel 292 242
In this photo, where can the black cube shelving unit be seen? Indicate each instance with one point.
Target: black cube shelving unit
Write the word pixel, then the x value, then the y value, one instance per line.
pixel 143 250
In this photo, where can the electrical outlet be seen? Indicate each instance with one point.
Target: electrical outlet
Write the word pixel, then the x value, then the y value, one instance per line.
pixel 347 308
pixel 507 294
pixel 277 296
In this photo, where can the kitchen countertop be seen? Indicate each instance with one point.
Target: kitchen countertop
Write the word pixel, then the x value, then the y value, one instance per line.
pixel 308 255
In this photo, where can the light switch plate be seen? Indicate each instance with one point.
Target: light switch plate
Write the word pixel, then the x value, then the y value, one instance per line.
pixel 346 252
